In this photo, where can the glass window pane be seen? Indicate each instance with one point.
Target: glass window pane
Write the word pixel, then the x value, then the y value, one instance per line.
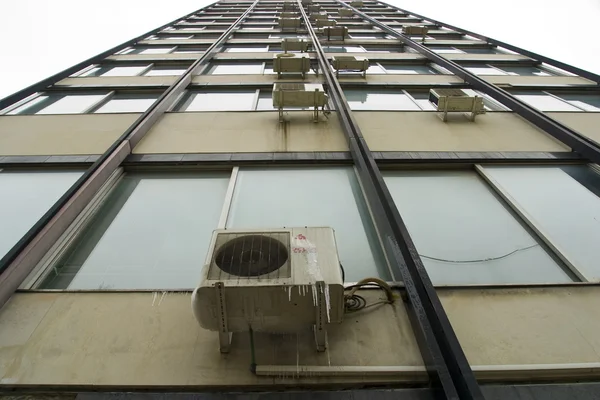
pixel 165 72
pixel 422 100
pixel 544 102
pixel 71 104
pixel 363 99
pixel 475 50
pixel 26 197
pixel 276 198
pixel 588 102
pixel 445 50
pixel 483 70
pixel 236 69
pixel 408 69
pixel 219 101
pixel 28 107
pixel 248 49
pixel 524 71
pixel 127 104
pixel 563 201
pixel 464 234
pixel 155 50
pixel 153 232
pixel 125 71
pixel 343 49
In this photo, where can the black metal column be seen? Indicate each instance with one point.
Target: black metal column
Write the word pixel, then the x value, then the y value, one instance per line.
pixel 445 361
pixel 577 142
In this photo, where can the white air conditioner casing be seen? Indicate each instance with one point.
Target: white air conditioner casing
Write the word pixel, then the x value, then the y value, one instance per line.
pixel 350 63
pixel 289 23
pixel 356 3
pixel 318 15
pixel 314 8
pixel 291 63
pixel 290 6
pixel 325 22
pixel 270 280
pixel 288 14
pixel 415 30
pixel 334 31
pixel 345 12
pixel 294 44
pixel 299 95
pixel 456 100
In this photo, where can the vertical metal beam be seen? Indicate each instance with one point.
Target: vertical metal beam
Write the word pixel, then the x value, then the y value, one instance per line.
pixel 445 361
pixel 43 84
pixel 14 263
pixel 585 146
pixel 565 67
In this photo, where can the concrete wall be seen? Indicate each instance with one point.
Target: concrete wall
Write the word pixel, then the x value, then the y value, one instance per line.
pixel 424 131
pixel 586 123
pixel 61 134
pixel 120 81
pixel 214 132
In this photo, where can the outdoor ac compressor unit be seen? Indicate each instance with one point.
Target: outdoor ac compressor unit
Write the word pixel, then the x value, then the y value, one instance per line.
pixel 314 8
pixel 326 22
pixel 278 281
pixel 356 3
pixel 350 64
pixel 291 63
pixel 289 23
pixel 299 95
pixel 345 12
pixel 334 32
pixel 415 30
pixel 319 15
pixel 456 100
pixel 288 14
pixel 290 6
pixel 294 44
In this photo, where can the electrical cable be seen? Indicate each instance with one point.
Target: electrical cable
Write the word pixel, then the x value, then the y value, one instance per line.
pixel 354 302
pixel 481 260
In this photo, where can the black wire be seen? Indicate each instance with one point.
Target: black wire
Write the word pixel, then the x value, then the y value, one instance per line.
pixel 343 273
pixel 354 303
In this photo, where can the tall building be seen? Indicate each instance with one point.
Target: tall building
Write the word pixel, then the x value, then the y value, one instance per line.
pixel 459 169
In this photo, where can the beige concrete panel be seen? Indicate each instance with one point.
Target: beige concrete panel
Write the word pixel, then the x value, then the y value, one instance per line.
pixel 400 79
pixel 155 57
pixel 375 56
pixel 536 80
pixel 135 81
pixel 153 339
pixel 61 134
pixel 251 79
pixel 484 57
pixel 586 123
pixel 526 326
pixel 241 132
pixel 424 131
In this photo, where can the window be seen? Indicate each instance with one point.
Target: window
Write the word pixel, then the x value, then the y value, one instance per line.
pixel 483 70
pixel 563 202
pixel 234 100
pixel 146 50
pixel 26 197
pixel 131 70
pixel 59 104
pixel 480 50
pixel 343 49
pixel 276 198
pixel 408 69
pixel 544 101
pixel 166 71
pixel 189 50
pixel 235 69
pixel 587 102
pixel 445 50
pixel 369 99
pixel 464 235
pixel 246 49
pixel 123 103
pixel 152 232
pixel 523 71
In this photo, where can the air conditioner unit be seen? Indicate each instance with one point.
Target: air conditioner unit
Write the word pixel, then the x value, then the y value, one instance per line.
pixel 345 12
pixel 289 23
pixel 290 6
pixel 326 22
pixel 356 3
pixel 288 14
pixel 350 64
pixel 334 32
pixel 293 44
pixel 306 2
pixel 456 100
pixel 415 30
pixel 314 8
pixel 299 95
pixel 278 281
pixel 319 15
pixel 291 63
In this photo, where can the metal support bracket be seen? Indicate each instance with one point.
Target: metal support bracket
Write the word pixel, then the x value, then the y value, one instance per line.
pixel 224 334
pixel 321 317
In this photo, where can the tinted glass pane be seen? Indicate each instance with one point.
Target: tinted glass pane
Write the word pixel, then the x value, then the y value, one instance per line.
pixel 524 71
pixel 153 232
pixel 71 104
pixel 125 71
pixel 127 104
pixel 444 50
pixel 408 69
pixel 343 49
pixel 247 49
pixel 379 100
pixel 483 70
pixel 464 234
pixel 545 102
pixel 155 50
pixel 270 198
pixel 561 200
pixel 219 101
pixel 26 196
pixel 588 102
pixel 165 72
pixel 236 69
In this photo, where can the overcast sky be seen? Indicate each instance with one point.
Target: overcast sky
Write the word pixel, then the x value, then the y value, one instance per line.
pixel 42 37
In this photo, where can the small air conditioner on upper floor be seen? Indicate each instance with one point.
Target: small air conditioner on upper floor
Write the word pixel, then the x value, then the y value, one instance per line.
pixel 356 3
pixel 299 95
pixel 270 280
pixel 306 2
pixel 338 31
pixel 326 22
pixel 288 14
pixel 314 8
pixel 290 6
pixel 456 100
pixel 291 63
pixel 289 23
pixel 350 64
pixel 415 30
pixel 318 15
pixel 294 44
pixel 345 12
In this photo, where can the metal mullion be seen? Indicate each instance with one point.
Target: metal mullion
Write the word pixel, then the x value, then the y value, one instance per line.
pixel 446 363
pixel 531 223
pixel 558 64
pixel 147 69
pixel 99 103
pixel 228 199
pixel 563 100
pixel 561 132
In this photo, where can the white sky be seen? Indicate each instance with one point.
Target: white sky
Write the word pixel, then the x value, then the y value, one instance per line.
pixel 43 37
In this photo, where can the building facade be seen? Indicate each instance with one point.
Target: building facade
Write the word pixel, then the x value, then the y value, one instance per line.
pixel 457 168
